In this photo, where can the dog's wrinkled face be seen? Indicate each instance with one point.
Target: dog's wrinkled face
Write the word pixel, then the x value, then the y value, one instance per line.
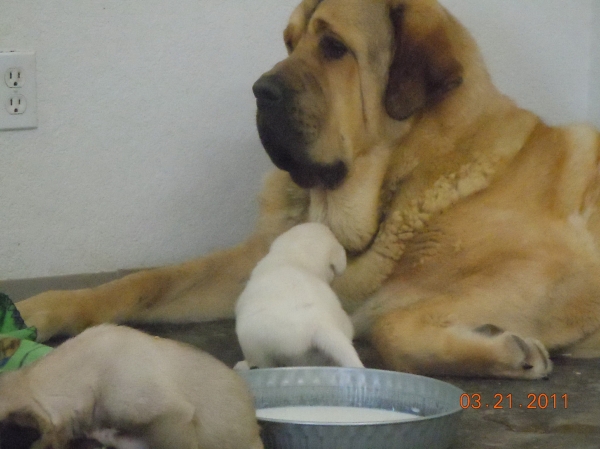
pixel 356 70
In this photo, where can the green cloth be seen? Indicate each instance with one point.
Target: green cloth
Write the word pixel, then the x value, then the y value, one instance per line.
pixel 17 341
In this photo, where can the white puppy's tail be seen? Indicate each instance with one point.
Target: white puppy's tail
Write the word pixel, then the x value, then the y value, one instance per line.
pixel 333 343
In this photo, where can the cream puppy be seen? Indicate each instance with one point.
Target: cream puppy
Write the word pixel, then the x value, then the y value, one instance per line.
pixel 157 393
pixel 288 315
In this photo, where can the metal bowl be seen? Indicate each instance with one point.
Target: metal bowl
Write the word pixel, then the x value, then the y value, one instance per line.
pixel 436 403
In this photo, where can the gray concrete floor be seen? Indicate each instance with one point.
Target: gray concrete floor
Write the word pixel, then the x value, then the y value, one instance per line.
pixel 576 426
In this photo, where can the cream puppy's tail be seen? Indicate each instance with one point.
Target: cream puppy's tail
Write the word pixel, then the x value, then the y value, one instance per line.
pixel 333 343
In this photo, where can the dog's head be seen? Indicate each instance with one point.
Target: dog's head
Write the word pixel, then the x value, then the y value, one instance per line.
pixel 357 71
pixel 20 430
pixel 23 422
pixel 313 247
pixel 24 428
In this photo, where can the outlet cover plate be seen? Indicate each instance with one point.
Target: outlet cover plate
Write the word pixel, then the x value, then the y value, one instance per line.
pixel 22 63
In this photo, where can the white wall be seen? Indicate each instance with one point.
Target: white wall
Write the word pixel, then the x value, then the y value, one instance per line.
pixel 594 103
pixel 145 118
pixel 538 51
pixel 146 151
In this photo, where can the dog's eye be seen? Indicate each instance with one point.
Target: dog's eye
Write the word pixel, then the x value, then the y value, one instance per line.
pixel 332 48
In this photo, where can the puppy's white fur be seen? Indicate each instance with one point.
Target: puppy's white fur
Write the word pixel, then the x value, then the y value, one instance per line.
pixel 288 315
pixel 158 393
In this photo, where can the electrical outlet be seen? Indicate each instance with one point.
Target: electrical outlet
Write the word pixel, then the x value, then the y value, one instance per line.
pixel 14 77
pixel 16 105
pixel 18 91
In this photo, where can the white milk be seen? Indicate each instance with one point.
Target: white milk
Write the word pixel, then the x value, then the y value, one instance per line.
pixel 328 414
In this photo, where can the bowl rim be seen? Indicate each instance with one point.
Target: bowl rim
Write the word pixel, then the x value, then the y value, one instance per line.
pixel 454 411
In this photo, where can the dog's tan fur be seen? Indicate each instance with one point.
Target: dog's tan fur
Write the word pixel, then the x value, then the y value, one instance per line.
pixel 472 226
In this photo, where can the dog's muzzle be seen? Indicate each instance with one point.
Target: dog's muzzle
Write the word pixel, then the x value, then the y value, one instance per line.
pixel 284 139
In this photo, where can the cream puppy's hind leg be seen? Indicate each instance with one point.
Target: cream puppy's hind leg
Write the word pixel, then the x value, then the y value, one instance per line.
pixel 335 344
pixel 112 438
pixel 175 429
pixel 184 430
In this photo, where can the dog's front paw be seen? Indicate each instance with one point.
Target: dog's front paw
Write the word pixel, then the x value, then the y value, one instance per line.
pixel 52 313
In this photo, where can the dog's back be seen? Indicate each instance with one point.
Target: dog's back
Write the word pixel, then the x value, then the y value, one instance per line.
pixel 160 374
pixel 119 378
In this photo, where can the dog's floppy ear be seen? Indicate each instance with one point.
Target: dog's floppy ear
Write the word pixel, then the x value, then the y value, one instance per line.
pixel 19 431
pixel 298 21
pixel 423 68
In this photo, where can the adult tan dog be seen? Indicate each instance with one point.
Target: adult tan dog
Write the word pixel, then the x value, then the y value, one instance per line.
pixel 472 226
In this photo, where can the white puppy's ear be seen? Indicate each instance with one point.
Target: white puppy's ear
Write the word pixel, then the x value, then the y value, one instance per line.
pixel 337 260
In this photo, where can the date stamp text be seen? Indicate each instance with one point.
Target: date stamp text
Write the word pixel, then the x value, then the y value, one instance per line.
pixel 507 401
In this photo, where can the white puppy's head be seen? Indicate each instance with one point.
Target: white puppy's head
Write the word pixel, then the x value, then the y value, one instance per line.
pixel 313 247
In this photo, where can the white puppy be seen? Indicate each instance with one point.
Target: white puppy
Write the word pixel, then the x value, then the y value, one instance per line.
pixel 157 393
pixel 288 315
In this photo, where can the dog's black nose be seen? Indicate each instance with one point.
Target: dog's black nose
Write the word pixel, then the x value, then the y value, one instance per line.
pixel 268 89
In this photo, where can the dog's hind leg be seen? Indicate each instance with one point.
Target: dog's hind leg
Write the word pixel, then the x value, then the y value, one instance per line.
pixel 429 339
pixel 256 353
pixel 336 345
pixel 175 428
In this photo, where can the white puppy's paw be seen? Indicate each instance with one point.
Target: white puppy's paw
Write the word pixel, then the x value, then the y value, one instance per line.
pixel 241 366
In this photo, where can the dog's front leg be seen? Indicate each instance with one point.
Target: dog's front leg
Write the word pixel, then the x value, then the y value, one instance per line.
pixel 199 290
pixel 202 289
